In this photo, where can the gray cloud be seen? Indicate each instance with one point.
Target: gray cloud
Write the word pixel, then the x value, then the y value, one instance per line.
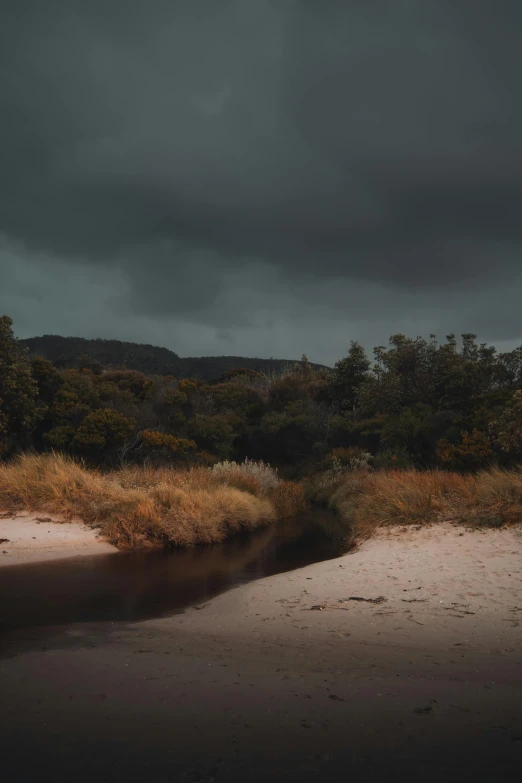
pixel 199 152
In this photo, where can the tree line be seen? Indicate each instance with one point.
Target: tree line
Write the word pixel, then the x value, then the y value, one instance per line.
pixel 420 403
pixel 69 352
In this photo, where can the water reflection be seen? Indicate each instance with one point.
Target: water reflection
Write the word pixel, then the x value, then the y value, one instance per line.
pixel 138 585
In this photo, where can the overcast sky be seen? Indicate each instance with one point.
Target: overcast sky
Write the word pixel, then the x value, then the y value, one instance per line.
pixel 261 177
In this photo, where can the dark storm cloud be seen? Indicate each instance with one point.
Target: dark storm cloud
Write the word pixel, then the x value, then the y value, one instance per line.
pixel 182 141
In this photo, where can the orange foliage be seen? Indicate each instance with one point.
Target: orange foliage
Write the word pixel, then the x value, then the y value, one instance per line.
pixel 160 440
pixel 473 451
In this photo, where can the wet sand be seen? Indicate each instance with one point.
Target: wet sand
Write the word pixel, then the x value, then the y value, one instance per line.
pixel 289 678
pixel 34 537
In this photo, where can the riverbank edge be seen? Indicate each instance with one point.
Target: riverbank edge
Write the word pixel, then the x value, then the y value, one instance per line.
pixel 435 587
pixel 34 537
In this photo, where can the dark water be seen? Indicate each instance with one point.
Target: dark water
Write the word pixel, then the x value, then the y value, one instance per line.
pixel 127 587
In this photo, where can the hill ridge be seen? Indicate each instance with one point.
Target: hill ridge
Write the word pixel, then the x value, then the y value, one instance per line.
pixel 66 352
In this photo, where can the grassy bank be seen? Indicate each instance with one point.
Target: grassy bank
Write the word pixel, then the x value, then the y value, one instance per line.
pixel 368 501
pixel 138 507
pixel 144 506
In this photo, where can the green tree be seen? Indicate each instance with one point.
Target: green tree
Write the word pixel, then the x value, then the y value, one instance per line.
pixel 215 434
pixel 349 376
pixel 506 430
pixel 407 433
pixel 164 447
pixel 472 451
pixel 47 378
pixel 103 430
pixel 405 372
pixel 296 434
pixel 19 408
pixel 508 370
pixel 304 367
pixel 239 372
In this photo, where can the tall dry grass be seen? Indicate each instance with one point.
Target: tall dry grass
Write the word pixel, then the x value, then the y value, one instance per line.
pixel 367 501
pixel 289 499
pixel 141 506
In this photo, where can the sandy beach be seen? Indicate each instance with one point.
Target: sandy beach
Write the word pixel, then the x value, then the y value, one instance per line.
pixel 437 586
pixel 34 537
pixel 402 659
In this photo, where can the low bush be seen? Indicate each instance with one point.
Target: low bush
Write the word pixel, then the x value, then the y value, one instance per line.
pixel 340 469
pixel 265 475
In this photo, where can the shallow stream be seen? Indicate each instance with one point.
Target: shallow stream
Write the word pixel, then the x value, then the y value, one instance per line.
pixel 39 600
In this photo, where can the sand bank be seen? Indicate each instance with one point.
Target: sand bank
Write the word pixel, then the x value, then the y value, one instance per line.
pixel 437 586
pixel 293 677
pixel 33 537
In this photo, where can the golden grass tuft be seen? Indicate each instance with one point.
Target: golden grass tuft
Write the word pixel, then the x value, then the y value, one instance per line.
pixel 55 484
pixel 367 501
pixel 243 481
pixel 136 507
pixel 204 516
pixel 289 499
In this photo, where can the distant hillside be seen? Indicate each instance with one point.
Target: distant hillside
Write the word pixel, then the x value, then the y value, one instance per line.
pixel 149 359
pixel 67 352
